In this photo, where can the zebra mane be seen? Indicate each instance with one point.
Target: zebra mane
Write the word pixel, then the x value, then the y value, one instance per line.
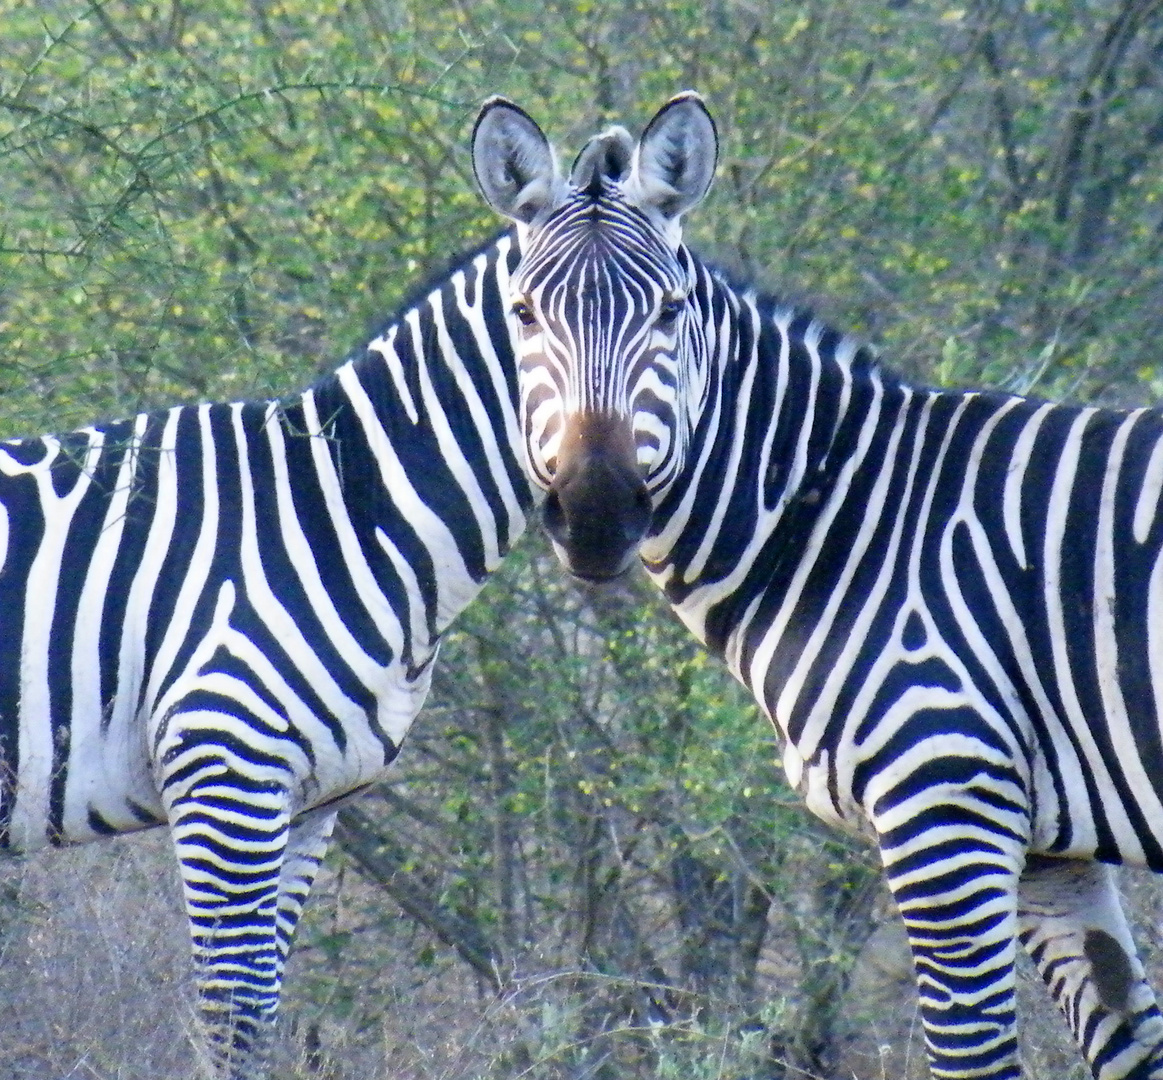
pixel 436 277
pixel 863 356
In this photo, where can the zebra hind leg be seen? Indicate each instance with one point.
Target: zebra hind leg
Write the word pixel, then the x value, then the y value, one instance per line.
pixel 307 843
pixel 307 846
pixel 1072 924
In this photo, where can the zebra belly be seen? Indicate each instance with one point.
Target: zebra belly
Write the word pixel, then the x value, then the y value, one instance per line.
pixel 111 782
pixel 90 780
pixel 103 771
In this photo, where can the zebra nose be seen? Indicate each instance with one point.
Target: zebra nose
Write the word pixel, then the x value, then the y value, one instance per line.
pixel 597 519
pixel 598 507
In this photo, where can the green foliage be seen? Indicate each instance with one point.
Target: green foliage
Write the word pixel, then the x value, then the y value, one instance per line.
pixel 209 202
pixel 590 794
pixel 206 201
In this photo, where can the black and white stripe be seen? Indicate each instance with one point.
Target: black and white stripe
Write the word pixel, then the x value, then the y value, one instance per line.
pixel 949 603
pixel 223 618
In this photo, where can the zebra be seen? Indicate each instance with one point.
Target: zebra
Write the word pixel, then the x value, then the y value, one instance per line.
pixel 948 603
pixel 223 618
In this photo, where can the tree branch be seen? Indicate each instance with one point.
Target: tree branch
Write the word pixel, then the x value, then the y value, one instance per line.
pixel 382 861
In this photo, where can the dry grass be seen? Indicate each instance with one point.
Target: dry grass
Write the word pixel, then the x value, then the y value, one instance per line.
pixel 94 985
pixel 95 982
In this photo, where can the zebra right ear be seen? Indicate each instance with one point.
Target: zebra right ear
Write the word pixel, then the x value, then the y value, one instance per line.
pixel 514 164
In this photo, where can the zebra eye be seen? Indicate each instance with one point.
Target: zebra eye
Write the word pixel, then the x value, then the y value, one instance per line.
pixel 669 311
pixel 524 313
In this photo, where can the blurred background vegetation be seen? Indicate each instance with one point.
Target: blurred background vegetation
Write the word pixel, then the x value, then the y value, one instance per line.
pixel 586 864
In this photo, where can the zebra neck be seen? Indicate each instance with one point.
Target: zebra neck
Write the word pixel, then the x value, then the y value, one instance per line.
pixel 788 400
pixel 422 436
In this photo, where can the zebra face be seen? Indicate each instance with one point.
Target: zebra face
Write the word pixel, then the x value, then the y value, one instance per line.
pixel 609 368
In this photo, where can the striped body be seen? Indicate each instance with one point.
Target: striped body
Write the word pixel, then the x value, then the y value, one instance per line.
pixel 224 617
pixel 997 555
pixel 950 604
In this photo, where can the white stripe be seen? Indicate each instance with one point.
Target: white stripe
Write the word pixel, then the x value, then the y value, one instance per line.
pixel 1063 487
pixel 1148 502
pixel 501 376
pixel 35 770
pixel 729 478
pixel 263 599
pixel 157 545
pixel 656 548
pixel 455 585
pixel 1106 644
pixel 105 766
pixel 302 558
pixel 823 706
pixel 450 448
pixel 778 627
pixel 363 581
pixel 386 347
pixel 1015 477
pixel 193 583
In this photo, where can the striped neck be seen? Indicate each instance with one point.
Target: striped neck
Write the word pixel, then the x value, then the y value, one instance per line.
pixel 422 434
pixel 753 487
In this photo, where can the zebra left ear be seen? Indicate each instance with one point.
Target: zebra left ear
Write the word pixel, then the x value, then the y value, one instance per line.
pixel 674 162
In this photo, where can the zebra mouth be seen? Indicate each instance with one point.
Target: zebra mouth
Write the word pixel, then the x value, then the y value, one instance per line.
pixel 587 569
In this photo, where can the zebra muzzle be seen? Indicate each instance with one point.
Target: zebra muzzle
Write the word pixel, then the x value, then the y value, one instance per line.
pixel 598 508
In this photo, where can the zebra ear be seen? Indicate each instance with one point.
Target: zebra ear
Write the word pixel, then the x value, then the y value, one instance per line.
pixel 674 162
pixel 514 164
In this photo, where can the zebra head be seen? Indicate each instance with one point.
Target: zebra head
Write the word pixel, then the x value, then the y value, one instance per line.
pixel 610 365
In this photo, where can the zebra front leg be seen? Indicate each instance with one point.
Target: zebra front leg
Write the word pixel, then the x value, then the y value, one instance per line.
pixel 231 826
pixel 230 844
pixel 1072 924
pixel 954 876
